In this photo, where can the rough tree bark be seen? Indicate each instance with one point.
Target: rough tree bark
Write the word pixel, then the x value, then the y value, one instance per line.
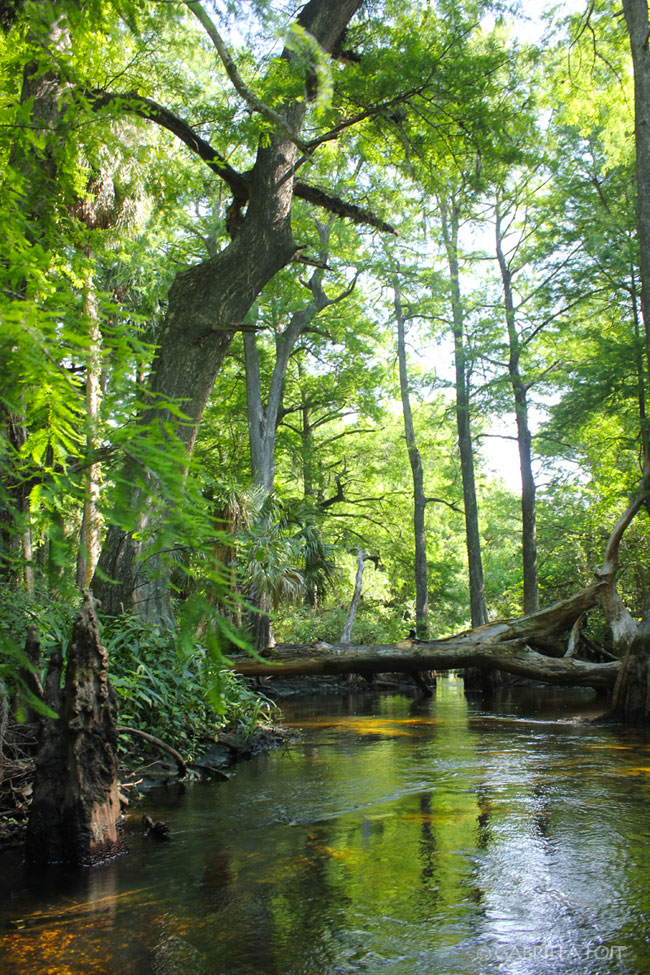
pixel 207 304
pixel 419 498
pixel 520 394
pixel 75 808
pixel 449 218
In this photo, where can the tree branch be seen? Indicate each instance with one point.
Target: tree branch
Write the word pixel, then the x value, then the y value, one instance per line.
pixel 369 112
pixel 616 612
pixel 148 109
pixel 339 207
pixel 255 103
pixel 450 504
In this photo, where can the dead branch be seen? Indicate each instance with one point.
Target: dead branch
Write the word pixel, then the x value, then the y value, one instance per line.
pixel 163 746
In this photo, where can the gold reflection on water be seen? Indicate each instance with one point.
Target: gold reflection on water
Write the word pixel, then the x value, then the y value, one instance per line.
pixel 366 725
pixel 46 941
pixel 389 850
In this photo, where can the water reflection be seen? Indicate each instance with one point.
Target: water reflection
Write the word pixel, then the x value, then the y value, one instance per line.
pixel 396 836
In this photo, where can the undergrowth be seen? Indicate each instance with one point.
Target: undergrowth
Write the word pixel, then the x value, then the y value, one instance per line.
pixel 184 696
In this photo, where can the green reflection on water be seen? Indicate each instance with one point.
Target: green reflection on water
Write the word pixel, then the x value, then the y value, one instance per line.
pixel 394 836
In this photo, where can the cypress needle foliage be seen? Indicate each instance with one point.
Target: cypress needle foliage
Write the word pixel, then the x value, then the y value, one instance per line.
pixel 136 175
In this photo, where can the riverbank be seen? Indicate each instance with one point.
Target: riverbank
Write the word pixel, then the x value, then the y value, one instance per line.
pixel 142 767
pixel 396 833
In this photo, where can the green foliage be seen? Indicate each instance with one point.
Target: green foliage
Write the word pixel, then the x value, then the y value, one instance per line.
pixel 53 617
pixel 127 211
pixel 376 622
pixel 181 695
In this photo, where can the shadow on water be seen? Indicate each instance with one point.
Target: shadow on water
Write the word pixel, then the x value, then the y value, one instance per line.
pixel 396 835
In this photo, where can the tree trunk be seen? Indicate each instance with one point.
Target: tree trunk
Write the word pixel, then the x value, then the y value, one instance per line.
pixel 513 657
pixel 642 367
pixel 260 439
pixel 638 26
pixel 16 517
pixel 263 419
pixel 419 499
pixel 306 441
pixel 91 529
pixel 618 616
pixel 356 596
pixel 520 394
pixel 75 809
pixel 631 697
pixel 207 304
pixel 478 605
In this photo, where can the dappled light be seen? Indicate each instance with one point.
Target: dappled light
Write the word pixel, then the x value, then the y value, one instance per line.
pixel 454 839
pixel 324 487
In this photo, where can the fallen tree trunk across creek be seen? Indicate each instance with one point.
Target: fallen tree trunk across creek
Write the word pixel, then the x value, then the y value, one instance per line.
pixel 533 646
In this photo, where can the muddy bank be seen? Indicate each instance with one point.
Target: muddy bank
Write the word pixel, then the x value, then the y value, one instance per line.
pixel 141 768
pixel 217 757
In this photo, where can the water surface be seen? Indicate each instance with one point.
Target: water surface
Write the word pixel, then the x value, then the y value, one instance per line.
pixel 394 836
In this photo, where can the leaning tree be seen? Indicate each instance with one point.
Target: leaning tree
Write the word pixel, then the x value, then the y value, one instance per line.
pixel 208 302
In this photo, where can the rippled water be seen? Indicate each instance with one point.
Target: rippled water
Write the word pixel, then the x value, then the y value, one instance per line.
pixel 394 836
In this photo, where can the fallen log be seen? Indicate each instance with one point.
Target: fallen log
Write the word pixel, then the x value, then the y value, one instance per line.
pixel 543 629
pixel 512 656
pixel 513 646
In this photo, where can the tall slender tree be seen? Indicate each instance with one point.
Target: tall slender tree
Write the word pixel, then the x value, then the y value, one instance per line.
pixel 520 395
pixel 419 497
pixel 450 219
pixel 632 691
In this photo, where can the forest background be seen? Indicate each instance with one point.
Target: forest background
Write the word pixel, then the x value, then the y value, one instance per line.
pixel 457 269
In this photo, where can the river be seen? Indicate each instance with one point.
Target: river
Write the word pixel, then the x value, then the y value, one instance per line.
pixel 393 836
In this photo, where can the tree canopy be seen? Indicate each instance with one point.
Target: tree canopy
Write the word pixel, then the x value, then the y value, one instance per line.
pixel 245 243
